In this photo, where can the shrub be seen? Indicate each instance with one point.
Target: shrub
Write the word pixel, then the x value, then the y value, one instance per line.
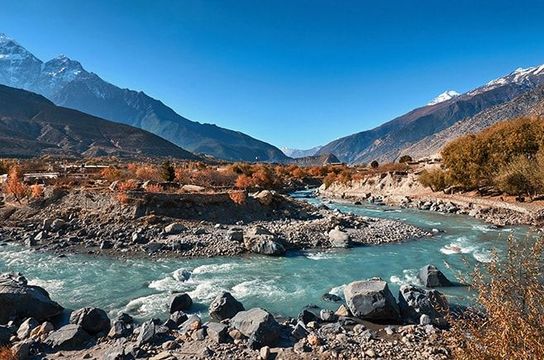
pixel 329 179
pixel 6 353
pixel 168 172
pixel 238 197
pixel 436 179
pixel 124 186
pixel 154 188
pixel 374 164
pixel 244 182
pixel 405 158
pixel 520 177
pixel 510 291
pixel 122 198
pixel 36 191
pixel 111 174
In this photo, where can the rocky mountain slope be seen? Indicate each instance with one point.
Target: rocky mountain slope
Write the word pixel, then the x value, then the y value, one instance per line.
pixel 390 140
pixel 528 104
pixel 298 153
pixel 67 83
pixel 31 125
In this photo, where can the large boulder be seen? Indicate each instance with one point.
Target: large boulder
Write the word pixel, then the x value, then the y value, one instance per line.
pixel 339 238
pixel 258 325
pixel 218 332
pixel 69 337
pixel 431 277
pixel 18 300
pixel 174 228
pixel 261 241
pixel 180 302
pixel 371 300
pixel 415 301
pixel 92 320
pixel 225 306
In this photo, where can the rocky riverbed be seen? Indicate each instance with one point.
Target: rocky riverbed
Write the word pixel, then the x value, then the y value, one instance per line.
pixel 95 222
pixel 369 323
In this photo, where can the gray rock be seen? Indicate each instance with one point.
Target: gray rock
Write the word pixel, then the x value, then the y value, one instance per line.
pixel 235 234
pixel 147 333
pixel 415 301
pixel 218 332
pixel 371 300
pixel 328 315
pixel 193 322
pixel 22 349
pixel 199 334
pixel 339 238
pixel 264 197
pixel 174 228
pixel 18 300
pixel 225 306
pixel 180 302
pixel 92 320
pixel 300 331
pixel 261 241
pixel 26 327
pixel 431 277
pixel 178 317
pixel 57 224
pixel 258 325
pixel 424 319
pixel 119 329
pixel 69 337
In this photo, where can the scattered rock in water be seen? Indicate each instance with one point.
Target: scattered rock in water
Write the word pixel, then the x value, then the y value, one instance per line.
pixel 18 300
pixel 431 277
pixel 92 320
pixel 331 297
pixel 371 300
pixel 69 337
pixel 180 302
pixel 258 325
pixel 225 306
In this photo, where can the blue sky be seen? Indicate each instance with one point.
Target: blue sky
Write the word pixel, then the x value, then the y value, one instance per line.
pixel 292 73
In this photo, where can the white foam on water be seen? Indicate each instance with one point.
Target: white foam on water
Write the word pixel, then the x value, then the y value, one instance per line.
pixel 181 274
pixel 318 255
pixel 262 289
pixel 215 268
pixel 483 256
pixel 409 276
pixel 482 228
pixel 52 286
pixel 207 290
pixel 459 246
pixel 147 306
pixel 338 290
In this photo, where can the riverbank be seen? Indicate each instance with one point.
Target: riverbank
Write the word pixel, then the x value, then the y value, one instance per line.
pixel 358 329
pixel 94 222
pixel 404 190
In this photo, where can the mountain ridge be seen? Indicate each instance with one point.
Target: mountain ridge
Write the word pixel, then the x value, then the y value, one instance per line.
pixel 68 84
pixel 31 125
pixel 388 141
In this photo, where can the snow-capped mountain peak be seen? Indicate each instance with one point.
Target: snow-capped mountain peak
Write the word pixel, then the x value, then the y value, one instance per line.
pixel 531 77
pixel 445 96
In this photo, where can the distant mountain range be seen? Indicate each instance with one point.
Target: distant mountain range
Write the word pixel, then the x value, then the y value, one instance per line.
pixel 296 153
pixel 425 130
pixel 66 83
pixel 31 125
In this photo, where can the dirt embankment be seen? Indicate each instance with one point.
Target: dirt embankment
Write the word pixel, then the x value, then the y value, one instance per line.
pixel 404 189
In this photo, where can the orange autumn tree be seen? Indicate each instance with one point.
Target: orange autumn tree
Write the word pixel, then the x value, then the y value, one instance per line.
pixel 15 185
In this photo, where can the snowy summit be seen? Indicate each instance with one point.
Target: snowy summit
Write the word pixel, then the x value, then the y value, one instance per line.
pixel 446 95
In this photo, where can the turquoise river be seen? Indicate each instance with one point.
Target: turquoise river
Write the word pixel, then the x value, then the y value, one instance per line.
pixel 282 285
